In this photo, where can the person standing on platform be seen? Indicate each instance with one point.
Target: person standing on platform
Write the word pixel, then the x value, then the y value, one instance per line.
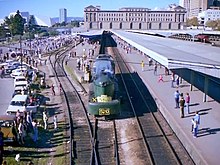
pixel 182 104
pixel 197 117
pixel 187 102
pixel 195 124
pixel 176 96
pixel 194 128
pixel 142 65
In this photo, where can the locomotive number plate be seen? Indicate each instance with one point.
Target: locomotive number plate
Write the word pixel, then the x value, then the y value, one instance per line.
pixel 104 111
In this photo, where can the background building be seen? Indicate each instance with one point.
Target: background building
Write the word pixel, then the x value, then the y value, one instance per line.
pixel 134 18
pixel 194 7
pixel 209 15
pixel 63 15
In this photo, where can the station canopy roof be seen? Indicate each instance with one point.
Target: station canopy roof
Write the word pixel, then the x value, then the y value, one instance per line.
pixel 174 53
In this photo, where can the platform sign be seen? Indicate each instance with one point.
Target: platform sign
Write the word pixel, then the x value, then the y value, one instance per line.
pixel 104 111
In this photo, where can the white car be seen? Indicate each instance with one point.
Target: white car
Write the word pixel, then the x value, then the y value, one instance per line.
pixel 18 72
pixel 21 102
pixel 22 67
pixel 19 80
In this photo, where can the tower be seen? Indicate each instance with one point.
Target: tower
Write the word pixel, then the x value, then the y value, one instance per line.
pixel 63 15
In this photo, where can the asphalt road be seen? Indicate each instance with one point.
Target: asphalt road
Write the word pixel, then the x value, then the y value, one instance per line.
pixel 6 91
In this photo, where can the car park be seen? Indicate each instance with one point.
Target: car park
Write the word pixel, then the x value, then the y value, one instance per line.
pixel 23 103
pixel 7 123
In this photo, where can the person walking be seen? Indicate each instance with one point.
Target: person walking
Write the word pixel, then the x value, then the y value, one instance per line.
pixel 29 123
pixel 1 145
pixel 45 119
pixel 182 104
pixel 187 102
pixel 53 90
pixel 55 122
pixel 155 69
pixel 35 130
pixel 160 78
pixel 60 87
pixel 142 65
pixel 176 96
pixel 21 131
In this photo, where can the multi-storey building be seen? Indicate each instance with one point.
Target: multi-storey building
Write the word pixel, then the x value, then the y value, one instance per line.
pixel 186 5
pixel 63 15
pixel 134 18
pixel 212 14
pixel 198 6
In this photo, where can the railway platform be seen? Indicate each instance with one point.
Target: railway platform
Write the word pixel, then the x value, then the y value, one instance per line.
pixel 204 148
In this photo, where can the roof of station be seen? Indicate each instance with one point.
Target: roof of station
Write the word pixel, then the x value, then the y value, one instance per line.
pixel 166 33
pixel 174 53
pixel 92 34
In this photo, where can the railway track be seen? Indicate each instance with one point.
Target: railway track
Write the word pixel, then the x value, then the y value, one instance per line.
pixel 93 140
pixel 159 143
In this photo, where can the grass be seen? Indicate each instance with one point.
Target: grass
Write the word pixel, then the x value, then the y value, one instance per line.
pixel 50 147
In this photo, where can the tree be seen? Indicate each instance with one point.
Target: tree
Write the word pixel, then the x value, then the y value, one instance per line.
pixel 8 23
pixel 75 23
pixel 213 24
pixel 192 22
pixel 2 31
pixel 18 24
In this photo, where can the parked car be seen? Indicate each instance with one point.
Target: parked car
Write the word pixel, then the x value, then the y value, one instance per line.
pixel 18 91
pixel 23 103
pixel 18 72
pixel 20 81
pixel 7 123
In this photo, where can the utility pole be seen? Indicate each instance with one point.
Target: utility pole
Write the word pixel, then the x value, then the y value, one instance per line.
pixel 21 50
pixel 29 38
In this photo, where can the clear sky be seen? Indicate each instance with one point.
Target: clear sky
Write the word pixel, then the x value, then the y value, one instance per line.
pixel 74 7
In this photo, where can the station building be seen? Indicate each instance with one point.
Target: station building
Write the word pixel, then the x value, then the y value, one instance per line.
pixel 134 18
